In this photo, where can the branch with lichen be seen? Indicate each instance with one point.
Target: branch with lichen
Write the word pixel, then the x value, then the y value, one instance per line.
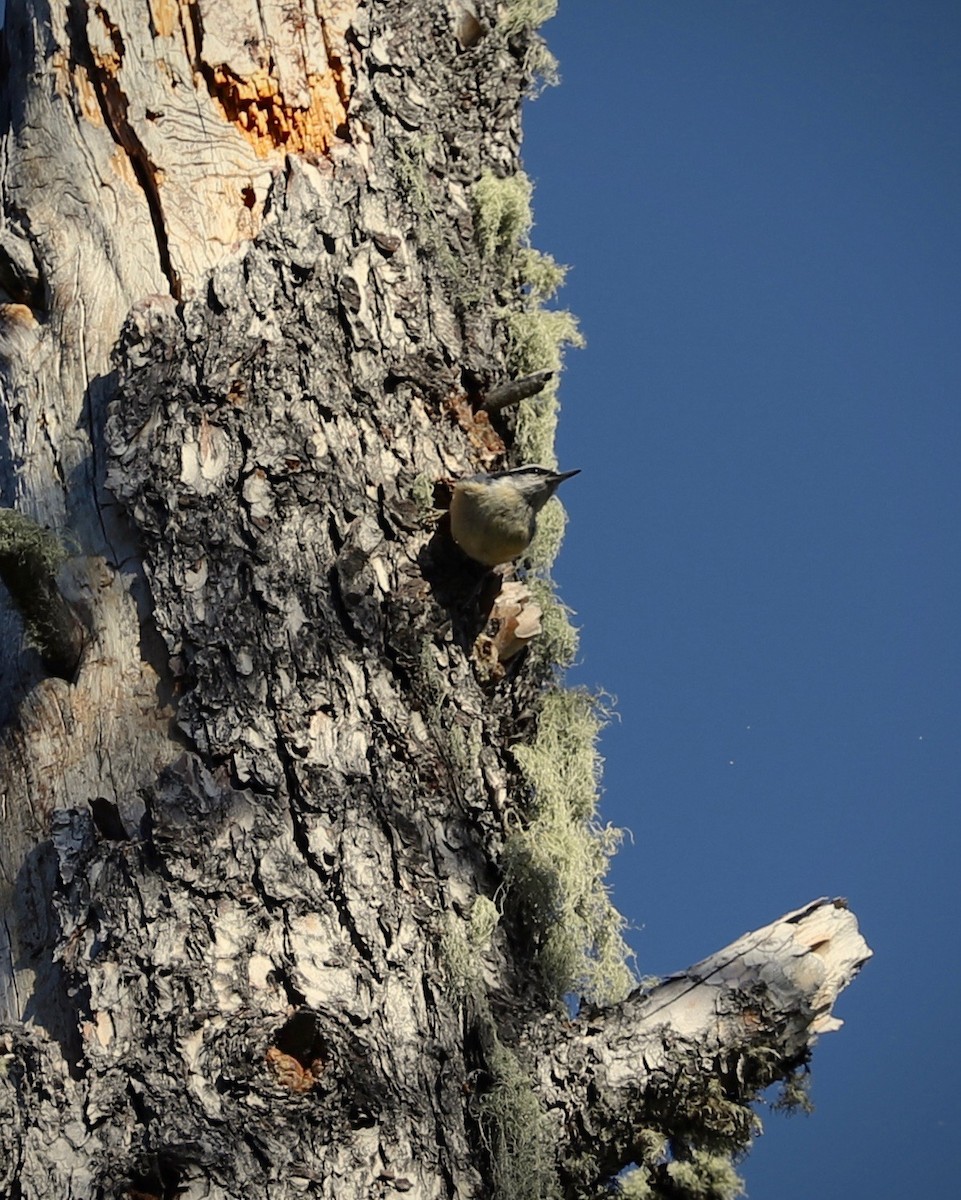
pixel 515 390
pixel 628 1084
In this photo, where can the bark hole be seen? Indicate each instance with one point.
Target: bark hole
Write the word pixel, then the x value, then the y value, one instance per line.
pixel 301 1038
pixel 160 1180
pixel 299 1054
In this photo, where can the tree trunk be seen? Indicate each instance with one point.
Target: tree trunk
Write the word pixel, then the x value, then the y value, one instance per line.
pixel 301 858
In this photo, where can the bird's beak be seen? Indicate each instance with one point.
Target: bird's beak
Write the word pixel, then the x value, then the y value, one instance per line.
pixel 562 475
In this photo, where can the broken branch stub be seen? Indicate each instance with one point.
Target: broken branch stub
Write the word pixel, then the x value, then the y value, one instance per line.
pixel 753 1010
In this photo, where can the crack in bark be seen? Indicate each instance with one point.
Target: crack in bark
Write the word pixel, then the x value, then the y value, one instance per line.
pixel 104 70
pixel 332 881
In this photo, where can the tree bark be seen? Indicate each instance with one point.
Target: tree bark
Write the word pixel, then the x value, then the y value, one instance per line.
pixel 301 857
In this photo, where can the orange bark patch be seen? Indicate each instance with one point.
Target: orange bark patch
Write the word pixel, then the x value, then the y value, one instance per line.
pixel 163 13
pixel 484 438
pixel 71 79
pixel 87 96
pixel 17 316
pixel 120 163
pixel 258 109
pixel 290 1073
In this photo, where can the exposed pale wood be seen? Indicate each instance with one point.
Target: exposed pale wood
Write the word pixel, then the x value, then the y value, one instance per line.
pixel 702 1039
pixel 771 990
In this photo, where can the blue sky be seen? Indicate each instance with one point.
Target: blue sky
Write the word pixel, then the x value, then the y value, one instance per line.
pixel 760 201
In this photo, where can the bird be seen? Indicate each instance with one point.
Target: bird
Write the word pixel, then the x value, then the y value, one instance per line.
pixel 493 517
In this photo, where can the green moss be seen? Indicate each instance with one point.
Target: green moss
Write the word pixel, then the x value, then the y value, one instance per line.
pixel 30 557
pixel 555 865
pixel 24 541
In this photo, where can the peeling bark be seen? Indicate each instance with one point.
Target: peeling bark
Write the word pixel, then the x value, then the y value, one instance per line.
pixel 260 930
pixel 682 1058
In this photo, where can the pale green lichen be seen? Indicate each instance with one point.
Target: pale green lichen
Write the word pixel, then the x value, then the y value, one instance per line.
pixel 516 1132
pixel 707 1126
pixel 540 275
pixel 554 870
pixel 706 1176
pixel 462 944
pixel 636 1185
pixel 555 865
pixel 537 338
pixel 464 747
pixel 557 643
pixel 651 1146
pixel 502 223
pixel 502 215
pixel 413 161
pixel 536 429
pixel 699 1175
pixel 526 14
pixel 410 164
pixel 422 493
pixel 432 685
pixel 551 523
pixel 484 917
pixel 458 956
pixel 794 1096
pixel 562 760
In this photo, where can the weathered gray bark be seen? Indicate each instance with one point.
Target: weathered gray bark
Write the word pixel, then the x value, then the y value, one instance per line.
pixel 263 923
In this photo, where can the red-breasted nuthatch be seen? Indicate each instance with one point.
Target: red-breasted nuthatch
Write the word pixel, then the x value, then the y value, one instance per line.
pixel 493 517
